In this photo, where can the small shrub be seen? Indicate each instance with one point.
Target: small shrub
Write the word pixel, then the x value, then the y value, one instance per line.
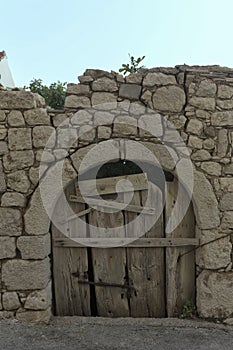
pixel 133 66
pixel 54 94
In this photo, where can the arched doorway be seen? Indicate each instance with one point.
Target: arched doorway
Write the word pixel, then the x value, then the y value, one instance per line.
pixel 154 276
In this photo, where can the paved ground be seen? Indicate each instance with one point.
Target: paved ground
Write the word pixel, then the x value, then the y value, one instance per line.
pixel 113 334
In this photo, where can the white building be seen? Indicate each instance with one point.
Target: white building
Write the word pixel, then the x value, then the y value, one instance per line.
pixel 5 74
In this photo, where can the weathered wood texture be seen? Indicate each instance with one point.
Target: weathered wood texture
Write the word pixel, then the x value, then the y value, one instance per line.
pixel 71 298
pixel 160 282
pixel 180 272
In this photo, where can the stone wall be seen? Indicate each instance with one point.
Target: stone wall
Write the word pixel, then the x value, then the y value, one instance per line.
pixel 198 101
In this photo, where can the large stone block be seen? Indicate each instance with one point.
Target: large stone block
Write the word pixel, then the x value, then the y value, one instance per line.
pixel 226 202
pixel 124 125
pixel 41 135
pixel 152 79
pixel 206 103
pixel 3 132
pixel 130 91
pixel 36 219
pixel 10 301
pixel 18 181
pixel 206 89
pixel 104 84
pixel 38 116
pixel 213 255
pixel 214 294
pixel 7 247
pixel 17 160
pixel 13 199
pixel 26 274
pixel 3 148
pixel 39 300
pixel 15 118
pixel 2 179
pixel 225 91
pixel 150 125
pixel 34 247
pixel 19 139
pixel 78 89
pixel 204 197
pixel 34 316
pixel 169 99
pixel 104 100
pixel 195 127
pixel 74 101
pixel 11 222
pixel 222 118
pixel 17 100
pixel 212 168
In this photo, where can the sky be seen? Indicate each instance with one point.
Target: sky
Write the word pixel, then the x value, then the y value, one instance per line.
pixel 58 39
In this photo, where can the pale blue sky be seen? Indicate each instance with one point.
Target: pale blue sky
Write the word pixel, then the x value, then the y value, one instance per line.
pixel 58 39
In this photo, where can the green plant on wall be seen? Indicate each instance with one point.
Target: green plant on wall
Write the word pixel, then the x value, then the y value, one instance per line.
pixel 54 94
pixel 133 66
pixel 189 310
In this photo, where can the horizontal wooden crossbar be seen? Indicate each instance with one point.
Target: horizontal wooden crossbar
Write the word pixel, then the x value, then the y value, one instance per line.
pixel 113 204
pixel 108 185
pixel 139 243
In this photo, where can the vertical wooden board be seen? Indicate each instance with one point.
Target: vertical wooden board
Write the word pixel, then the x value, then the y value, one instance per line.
pixel 146 265
pixel 69 265
pixel 109 266
pixel 180 272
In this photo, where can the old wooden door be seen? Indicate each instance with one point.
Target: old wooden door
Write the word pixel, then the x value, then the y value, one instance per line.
pixel 149 277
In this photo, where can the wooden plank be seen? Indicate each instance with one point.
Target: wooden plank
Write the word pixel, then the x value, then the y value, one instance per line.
pixel 109 185
pixel 109 266
pixel 180 273
pixel 70 297
pixel 113 204
pixel 146 265
pixel 139 243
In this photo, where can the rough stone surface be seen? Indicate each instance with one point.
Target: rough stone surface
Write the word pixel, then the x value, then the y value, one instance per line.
pixel 214 294
pixel 212 168
pixel 36 219
pixel 215 255
pixel 11 222
pixel 130 91
pixel 37 116
pixel 3 148
pixel 44 136
pixel 39 300
pixel 206 89
pixel 10 301
pixel 104 84
pixel 152 79
pixel 17 100
pixel 7 247
pixel 13 199
pixel 34 247
pixel 25 274
pixel 74 101
pixel 106 100
pixel 205 103
pixel 204 198
pixel 18 181
pixel 78 89
pixel 15 119
pixel 195 127
pixel 2 179
pixel 226 202
pixel 34 316
pixel 17 160
pixel 222 118
pixel 169 99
